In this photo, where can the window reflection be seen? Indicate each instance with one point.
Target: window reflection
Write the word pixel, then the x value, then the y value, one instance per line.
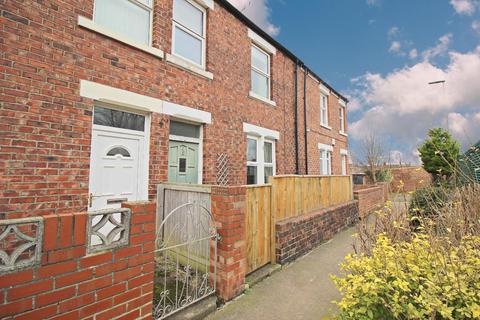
pixel 118 119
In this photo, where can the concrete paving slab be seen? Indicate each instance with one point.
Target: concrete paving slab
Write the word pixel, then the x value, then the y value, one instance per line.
pixel 302 290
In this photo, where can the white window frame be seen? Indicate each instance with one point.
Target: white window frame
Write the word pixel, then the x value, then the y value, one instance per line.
pixel 342 119
pixel 344 164
pixel 326 156
pixel 344 160
pixel 142 5
pixel 324 110
pixel 273 163
pixel 254 163
pixel 268 75
pixel 260 163
pixel 193 34
pixel 326 153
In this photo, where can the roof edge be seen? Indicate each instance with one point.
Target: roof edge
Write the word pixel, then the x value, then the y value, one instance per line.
pixel 239 15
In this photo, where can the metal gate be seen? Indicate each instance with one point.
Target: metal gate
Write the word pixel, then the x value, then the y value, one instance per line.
pixel 185 257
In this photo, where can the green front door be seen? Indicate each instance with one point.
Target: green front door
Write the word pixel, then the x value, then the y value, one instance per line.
pixel 183 162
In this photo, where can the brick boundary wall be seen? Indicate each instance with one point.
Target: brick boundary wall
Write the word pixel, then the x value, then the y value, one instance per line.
pixel 410 179
pixel 297 236
pixel 69 284
pixel 228 209
pixel 371 198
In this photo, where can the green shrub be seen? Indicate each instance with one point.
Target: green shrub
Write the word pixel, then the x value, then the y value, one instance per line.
pixel 417 279
pixel 382 175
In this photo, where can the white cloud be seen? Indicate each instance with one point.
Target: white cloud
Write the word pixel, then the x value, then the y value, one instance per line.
pixel 259 12
pixel 440 49
pixel 395 47
pixel 466 7
pixel 403 106
pixel 393 32
pixel 373 2
pixel 466 126
pixel 405 157
pixel 413 54
pixel 476 26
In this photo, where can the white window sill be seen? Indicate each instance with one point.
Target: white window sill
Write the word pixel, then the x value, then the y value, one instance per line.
pixel 89 24
pixel 253 95
pixel 343 134
pixel 188 66
pixel 325 126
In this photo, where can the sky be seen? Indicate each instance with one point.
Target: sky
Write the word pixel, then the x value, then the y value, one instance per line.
pixel 382 54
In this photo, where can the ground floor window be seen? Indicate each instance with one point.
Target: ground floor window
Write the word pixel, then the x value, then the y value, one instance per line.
pixel 260 160
pixel 325 162
pixel 344 164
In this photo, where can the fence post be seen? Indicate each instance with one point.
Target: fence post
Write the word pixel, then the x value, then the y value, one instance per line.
pixel 330 185
pixel 351 188
pixel 273 210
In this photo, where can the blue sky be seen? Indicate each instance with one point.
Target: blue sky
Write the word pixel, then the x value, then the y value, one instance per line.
pixel 382 54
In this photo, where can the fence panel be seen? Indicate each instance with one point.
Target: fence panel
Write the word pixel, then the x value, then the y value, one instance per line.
pixel 258 226
pixel 294 196
pixel 286 197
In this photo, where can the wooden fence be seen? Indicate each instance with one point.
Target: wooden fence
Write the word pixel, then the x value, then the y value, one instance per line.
pixel 183 224
pixel 258 226
pixel 283 198
pixel 286 197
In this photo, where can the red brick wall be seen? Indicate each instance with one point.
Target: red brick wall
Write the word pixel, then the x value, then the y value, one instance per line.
pixel 409 179
pixel 370 198
pixel 297 236
pixel 45 125
pixel 228 209
pixel 68 284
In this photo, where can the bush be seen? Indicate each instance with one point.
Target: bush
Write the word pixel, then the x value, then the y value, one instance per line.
pixel 431 272
pixel 382 175
pixel 417 279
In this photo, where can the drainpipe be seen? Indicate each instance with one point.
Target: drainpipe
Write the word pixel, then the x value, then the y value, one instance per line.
pixel 297 171
pixel 305 73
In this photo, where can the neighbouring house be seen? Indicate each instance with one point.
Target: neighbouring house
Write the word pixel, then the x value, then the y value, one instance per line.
pixel 96 111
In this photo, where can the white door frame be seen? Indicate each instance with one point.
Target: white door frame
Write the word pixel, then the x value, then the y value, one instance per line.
pixel 193 140
pixel 143 181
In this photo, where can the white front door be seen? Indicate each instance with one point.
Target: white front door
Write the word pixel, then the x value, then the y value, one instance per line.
pixel 117 167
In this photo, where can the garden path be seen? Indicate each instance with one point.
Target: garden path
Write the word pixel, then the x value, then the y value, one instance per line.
pixel 302 290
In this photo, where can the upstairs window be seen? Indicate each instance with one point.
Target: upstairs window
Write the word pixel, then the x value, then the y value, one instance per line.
pixel 342 119
pixel 260 72
pixel 324 110
pixel 189 31
pixel 130 18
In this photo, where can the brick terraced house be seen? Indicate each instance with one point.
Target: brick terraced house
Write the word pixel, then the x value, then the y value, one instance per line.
pixel 101 100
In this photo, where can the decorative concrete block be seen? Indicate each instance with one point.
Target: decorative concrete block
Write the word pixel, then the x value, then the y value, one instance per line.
pixel 20 243
pixel 108 229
